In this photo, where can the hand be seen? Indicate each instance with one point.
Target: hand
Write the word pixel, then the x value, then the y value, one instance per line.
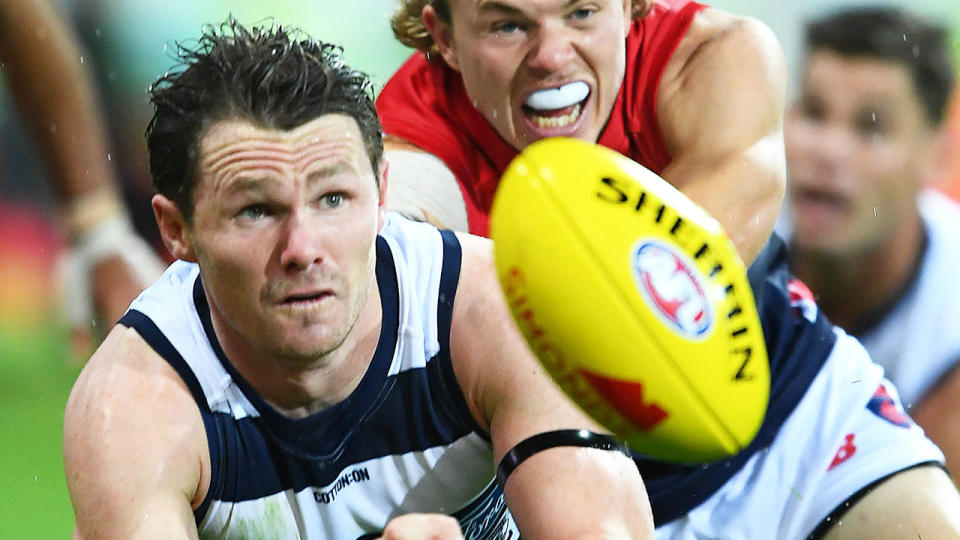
pixel 100 275
pixel 422 527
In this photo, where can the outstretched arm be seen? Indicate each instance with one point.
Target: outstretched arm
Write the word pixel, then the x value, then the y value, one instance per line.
pixel 561 492
pixel 134 445
pixel 44 67
pixel 721 107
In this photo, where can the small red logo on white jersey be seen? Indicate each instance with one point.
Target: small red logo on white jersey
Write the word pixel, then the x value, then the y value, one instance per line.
pixel 845 452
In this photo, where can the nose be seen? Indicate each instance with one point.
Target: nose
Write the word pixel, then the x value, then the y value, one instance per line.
pixel 302 245
pixel 553 48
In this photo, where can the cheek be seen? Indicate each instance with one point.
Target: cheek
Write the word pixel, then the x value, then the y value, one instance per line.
pixel 487 77
pixel 885 167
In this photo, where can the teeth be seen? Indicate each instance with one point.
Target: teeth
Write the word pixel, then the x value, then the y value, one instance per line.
pixel 551 99
pixel 556 121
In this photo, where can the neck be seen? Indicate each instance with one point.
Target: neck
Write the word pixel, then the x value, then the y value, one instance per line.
pixel 853 288
pixel 298 386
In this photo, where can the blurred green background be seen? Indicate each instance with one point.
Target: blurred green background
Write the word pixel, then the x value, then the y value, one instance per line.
pixel 126 44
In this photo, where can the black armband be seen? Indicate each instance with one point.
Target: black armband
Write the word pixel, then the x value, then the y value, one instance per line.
pixel 551 439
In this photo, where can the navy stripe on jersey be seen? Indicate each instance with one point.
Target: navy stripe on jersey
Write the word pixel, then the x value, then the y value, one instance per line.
pixel 441 366
pixel 321 436
pixel 159 342
pixel 449 278
pixel 377 423
pixel 796 349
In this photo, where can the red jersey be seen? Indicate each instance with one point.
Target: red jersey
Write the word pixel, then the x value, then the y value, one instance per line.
pixel 426 104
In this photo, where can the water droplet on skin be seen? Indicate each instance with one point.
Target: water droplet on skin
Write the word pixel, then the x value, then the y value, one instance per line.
pixel 109 158
pixel 494 113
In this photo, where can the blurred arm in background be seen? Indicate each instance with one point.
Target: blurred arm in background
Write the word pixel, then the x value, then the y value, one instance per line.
pixel 108 264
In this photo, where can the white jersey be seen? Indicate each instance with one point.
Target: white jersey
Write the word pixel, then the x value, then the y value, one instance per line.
pixel 403 441
pixel 918 341
pixel 848 432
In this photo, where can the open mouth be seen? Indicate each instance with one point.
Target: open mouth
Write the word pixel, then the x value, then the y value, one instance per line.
pixel 556 108
pixel 809 196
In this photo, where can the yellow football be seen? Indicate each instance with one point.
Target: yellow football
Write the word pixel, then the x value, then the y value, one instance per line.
pixel 633 298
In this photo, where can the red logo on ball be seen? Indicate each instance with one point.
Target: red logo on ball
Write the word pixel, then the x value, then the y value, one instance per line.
pixel 673 287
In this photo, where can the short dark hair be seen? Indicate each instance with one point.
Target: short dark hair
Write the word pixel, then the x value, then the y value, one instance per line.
pixel 273 76
pixel 891 34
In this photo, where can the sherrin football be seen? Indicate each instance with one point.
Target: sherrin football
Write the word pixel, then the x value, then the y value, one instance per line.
pixel 633 298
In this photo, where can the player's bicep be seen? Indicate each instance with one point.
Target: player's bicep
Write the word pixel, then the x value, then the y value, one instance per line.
pixel 421 187
pixel 130 451
pixel 721 114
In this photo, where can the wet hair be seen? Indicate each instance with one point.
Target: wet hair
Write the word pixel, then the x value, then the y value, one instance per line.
pixel 272 76
pixel 408 27
pixel 892 35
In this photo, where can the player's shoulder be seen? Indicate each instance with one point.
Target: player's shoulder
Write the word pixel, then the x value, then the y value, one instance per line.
pixel 124 375
pixel 132 436
pixel 723 37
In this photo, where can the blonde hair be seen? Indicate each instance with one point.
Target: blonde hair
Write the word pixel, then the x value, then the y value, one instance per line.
pixel 408 27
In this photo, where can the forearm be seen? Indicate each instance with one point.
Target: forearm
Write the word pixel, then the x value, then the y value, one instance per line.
pixel 52 87
pixel 744 192
pixel 574 493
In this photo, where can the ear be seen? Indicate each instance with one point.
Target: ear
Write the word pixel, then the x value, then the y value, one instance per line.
pixel 442 34
pixel 173 228
pixel 382 206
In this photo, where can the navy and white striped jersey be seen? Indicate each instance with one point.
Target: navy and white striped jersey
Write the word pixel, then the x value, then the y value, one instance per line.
pixel 403 441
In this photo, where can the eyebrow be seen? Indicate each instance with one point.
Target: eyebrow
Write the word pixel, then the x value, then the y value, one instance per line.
pixel 329 170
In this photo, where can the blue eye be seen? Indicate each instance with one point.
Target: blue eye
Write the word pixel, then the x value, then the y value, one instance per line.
pixel 582 13
pixel 332 200
pixel 253 211
pixel 506 28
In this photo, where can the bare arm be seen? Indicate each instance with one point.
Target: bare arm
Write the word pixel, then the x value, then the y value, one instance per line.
pixel 422 187
pixel 134 445
pixel 56 97
pixel 917 503
pixel 51 86
pixel 561 492
pixel 721 107
pixel 939 417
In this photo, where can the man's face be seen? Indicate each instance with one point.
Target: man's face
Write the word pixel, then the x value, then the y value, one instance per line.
pixel 539 68
pixel 284 231
pixel 858 146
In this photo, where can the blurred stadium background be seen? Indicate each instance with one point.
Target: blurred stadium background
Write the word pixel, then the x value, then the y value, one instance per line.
pixel 126 44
